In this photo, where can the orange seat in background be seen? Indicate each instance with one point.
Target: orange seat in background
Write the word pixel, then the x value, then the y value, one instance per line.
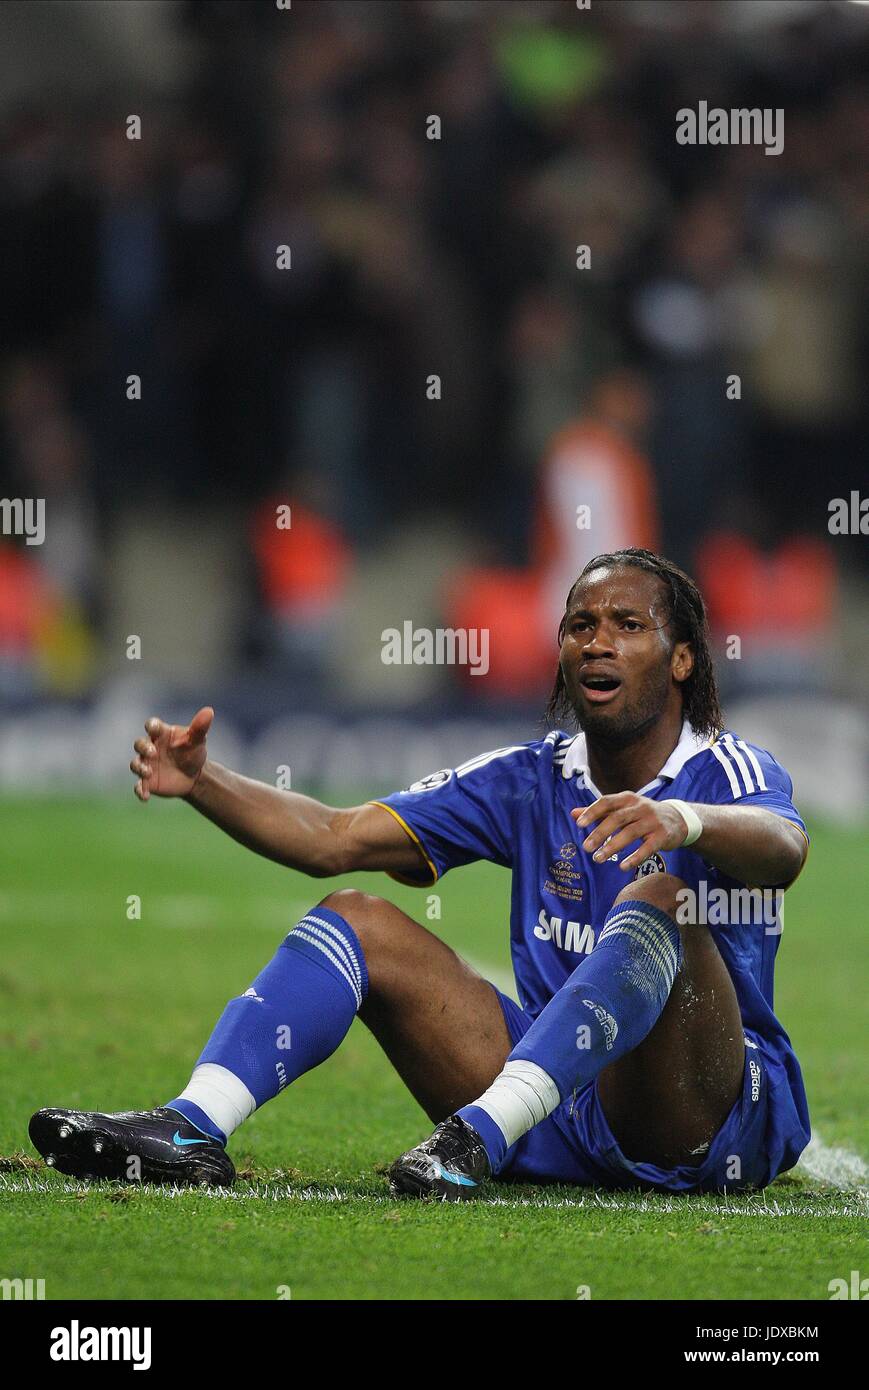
pixel 791 591
pixel 522 657
pixel 27 602
pixel 301 567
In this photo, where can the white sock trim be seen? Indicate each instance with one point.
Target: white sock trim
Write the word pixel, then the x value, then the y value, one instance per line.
pixel 519 1098
pixel 224 1098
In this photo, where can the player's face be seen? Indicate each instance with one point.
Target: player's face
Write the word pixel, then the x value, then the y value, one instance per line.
pixel 618 659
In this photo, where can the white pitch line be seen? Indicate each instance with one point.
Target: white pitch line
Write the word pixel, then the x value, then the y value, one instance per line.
pixel 834 1167
pixel 762 1204
pixel 163 910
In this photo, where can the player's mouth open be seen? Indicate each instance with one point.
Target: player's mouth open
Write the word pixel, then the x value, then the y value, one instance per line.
pixel 600 689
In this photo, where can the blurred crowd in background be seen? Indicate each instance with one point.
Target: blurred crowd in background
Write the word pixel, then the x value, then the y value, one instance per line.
pixel 414 257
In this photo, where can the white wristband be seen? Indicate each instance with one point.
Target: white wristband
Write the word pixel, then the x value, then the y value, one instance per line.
pixel 691 819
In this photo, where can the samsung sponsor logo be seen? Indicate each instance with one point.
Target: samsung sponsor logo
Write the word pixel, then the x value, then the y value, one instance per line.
pixel 577 937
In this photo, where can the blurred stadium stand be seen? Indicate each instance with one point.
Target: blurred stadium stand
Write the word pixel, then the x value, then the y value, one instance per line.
pixel 410 256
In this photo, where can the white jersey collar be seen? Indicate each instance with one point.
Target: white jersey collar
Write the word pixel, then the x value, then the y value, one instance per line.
pixel 690 744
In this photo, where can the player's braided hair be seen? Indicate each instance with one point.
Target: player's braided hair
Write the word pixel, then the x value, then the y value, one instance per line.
pixel 687 615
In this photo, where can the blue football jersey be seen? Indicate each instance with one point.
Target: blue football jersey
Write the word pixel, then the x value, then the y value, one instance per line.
pixel 512 806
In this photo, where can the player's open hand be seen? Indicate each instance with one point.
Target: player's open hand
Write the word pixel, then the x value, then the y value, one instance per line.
pixel 170 758
pixel 626 817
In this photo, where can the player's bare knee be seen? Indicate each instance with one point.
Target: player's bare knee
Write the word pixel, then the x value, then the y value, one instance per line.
pixel 363 911
pixel 661 890
pixel 673 896
pixel 355 907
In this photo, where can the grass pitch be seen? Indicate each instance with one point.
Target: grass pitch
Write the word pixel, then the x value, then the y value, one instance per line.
pixel 101 1012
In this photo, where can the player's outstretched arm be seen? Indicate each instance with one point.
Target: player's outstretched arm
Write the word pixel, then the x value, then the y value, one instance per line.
pixel 294 830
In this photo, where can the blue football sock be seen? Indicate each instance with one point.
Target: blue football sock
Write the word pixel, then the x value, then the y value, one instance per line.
pixel 293 1017
pixel 605 1008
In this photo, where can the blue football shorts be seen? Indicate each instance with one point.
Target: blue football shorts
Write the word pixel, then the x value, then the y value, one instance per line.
pixel 761 1136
